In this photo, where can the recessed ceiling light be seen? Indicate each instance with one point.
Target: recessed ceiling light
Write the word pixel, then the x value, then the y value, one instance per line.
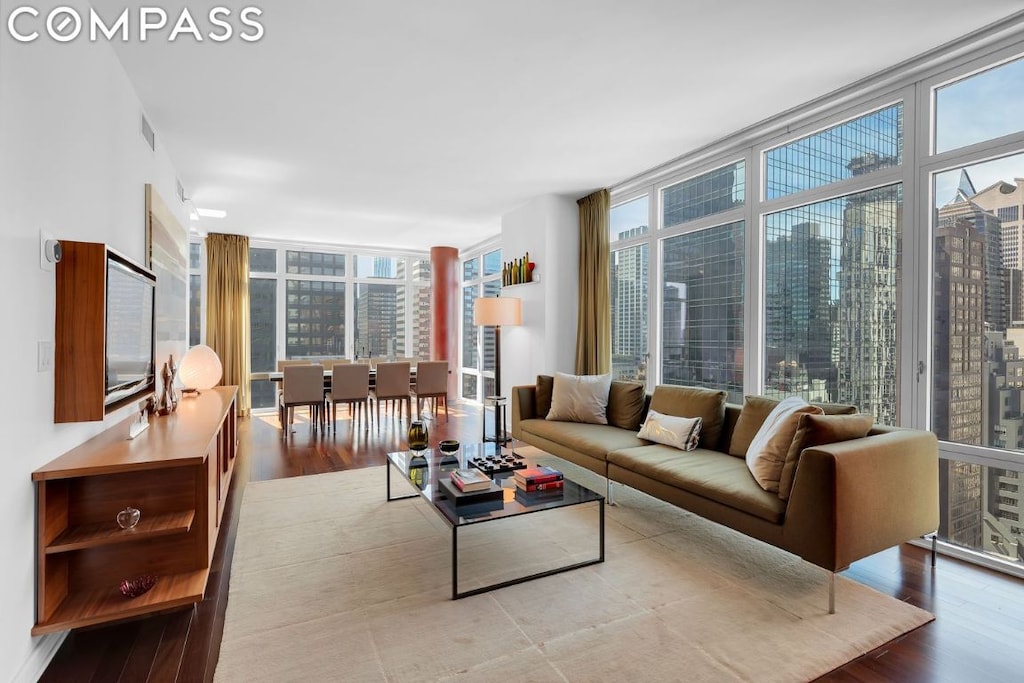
pixel 212 213
pixel 193 216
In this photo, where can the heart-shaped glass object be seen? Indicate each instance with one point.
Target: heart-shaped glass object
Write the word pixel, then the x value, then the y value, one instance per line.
pixel 128 518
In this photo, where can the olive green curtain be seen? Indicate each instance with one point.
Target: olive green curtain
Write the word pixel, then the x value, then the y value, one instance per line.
pixel 594 321
pixel 227 309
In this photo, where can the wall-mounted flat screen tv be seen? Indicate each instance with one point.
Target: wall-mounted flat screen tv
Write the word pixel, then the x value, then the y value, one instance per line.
pixel 130 368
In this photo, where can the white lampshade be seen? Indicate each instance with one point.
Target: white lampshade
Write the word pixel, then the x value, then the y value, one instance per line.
pixel 498 310
pixel 200 368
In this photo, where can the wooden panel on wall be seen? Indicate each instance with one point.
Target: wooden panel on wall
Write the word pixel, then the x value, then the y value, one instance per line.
pixel 79 350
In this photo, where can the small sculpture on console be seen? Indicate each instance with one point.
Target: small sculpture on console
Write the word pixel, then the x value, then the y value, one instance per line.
pixel 168 401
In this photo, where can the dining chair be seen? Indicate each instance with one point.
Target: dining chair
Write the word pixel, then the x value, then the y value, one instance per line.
pixel 350 384
pixel 329 365
pixel 432 385
pixel 303 385
pixel 392 385
pixel 281 365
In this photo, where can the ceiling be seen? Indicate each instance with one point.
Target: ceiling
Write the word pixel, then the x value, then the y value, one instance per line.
pixel 410 124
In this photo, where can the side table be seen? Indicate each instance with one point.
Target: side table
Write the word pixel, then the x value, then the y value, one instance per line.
pixel 500 405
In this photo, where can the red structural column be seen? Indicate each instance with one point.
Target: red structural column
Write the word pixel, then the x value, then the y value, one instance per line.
pixel 444 310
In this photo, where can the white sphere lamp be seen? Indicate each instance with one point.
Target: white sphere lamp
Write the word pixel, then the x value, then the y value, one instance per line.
pixel 200 369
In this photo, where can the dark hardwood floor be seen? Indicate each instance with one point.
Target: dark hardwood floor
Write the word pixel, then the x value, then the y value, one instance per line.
pixel 977 635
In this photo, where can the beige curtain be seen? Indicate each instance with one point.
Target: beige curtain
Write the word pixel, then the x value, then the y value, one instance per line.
pixel 227 309
pixel 594 321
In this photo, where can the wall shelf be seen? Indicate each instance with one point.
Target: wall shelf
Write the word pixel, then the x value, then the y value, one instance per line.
pixel 534 281
pixel 102 533
pixel 101 605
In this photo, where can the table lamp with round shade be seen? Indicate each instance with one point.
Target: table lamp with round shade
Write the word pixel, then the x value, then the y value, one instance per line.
pixel 200 369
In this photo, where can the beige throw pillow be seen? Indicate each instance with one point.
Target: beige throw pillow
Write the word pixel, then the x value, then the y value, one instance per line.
pixel 756 409
pixel 580 398
pixel 678 432
pixel 767 453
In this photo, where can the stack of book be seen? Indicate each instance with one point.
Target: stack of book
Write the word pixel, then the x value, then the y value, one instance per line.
pixel 468 480
pixel 538 479
pixel 471 489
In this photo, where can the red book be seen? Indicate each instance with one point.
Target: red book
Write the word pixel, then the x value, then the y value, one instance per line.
pixel 537 475
pixel 543 486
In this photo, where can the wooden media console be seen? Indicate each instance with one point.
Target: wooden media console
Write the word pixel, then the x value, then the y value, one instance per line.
pixel 176 473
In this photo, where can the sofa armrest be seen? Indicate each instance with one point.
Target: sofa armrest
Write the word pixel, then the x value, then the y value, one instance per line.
pixel 856 498
pixel 524 401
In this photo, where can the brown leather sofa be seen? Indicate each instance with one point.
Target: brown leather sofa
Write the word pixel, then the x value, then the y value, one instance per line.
pixel 848 500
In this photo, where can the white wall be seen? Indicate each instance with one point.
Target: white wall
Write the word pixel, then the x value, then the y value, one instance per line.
pixel 547 227
pixel 72 163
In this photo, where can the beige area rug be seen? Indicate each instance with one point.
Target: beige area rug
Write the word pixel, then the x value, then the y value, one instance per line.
pixel 330 582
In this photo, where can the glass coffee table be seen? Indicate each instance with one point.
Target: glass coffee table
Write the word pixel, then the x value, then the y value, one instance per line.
pixel 423 470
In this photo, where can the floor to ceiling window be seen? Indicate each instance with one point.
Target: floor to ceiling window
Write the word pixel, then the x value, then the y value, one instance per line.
pixel 865 249
pixel 977 201
pixel 702 309
pixel 629 284
pixel 195 293
pixel 481 276
pixel 320 303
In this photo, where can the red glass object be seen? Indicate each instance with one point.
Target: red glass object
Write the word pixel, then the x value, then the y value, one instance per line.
pixel 133 588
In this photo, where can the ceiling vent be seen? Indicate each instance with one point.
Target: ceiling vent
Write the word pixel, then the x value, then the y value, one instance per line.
pixel 147 132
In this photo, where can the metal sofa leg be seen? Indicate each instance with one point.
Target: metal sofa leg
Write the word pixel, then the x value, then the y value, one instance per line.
pixel 831 592
pixel 609 496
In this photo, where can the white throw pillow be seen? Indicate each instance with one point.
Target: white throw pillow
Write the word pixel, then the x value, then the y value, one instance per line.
pixel 766 455
pixel 679 432
pixel 580 398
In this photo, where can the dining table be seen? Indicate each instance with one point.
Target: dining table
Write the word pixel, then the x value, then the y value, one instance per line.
pixel 278 376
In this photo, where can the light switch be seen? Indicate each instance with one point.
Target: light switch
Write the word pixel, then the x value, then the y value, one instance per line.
pixel 45 357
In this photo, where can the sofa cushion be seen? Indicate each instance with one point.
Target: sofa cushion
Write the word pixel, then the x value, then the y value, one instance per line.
pixel 580 398
pixel 626 405
pixel 756 409
pixel 767 453
pixel 817 430
pixel 589 439
pixel 710 474
pixel 545 384
pixel 707 404
pixel 679 432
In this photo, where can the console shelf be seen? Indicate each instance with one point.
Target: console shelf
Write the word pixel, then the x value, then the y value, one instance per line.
pixel 101 533
pixel 176 473
pixel 101 605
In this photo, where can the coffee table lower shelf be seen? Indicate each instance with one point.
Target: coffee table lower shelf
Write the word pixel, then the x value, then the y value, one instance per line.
pixel 576 495
pixel 457 595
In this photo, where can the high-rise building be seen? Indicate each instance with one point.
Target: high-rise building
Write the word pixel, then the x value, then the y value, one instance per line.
pixel 964 208
pixel 798 310
pixel 962 245
pixel 702 309
pixel 1006 202
pixel 420 314
pixel 867 313
pixel 377 321
pixel 959 333
pixel 629 308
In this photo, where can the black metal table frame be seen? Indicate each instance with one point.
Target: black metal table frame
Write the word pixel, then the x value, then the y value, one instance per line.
pixel 456 595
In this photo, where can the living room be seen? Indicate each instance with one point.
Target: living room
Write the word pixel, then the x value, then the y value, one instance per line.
pixel 510 156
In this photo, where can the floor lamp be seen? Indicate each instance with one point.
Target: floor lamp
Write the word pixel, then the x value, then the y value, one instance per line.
pixel 497 311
